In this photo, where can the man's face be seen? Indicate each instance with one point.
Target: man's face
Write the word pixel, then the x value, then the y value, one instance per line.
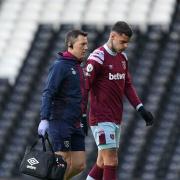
pixel 119 42
pixel 80 47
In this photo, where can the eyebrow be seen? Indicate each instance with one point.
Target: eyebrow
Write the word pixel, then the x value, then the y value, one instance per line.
pixel 124 41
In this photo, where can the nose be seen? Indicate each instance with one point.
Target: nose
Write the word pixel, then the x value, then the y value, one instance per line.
pixel 126 45
pixel 86 47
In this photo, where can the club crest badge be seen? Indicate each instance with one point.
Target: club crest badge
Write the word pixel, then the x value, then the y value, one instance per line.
pixel 67 144
pixel 112 136
pixel 124 65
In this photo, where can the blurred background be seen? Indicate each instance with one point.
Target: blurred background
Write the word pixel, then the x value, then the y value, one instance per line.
pixel 32 33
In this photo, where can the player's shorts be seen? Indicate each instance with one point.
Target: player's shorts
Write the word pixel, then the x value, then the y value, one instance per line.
pixel 65 137
pixel 106 135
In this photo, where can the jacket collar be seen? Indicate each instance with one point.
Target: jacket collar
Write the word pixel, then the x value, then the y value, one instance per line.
pixel 68 56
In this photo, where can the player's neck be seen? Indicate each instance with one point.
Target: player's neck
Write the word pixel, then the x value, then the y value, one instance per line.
pixel 110 46
pixel 109 49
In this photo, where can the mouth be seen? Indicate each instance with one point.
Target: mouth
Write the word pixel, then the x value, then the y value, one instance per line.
pixel 121 50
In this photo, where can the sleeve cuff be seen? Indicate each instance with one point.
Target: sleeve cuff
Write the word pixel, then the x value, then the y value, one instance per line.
pixel 84 115
pixel 44 118
pixel 138 106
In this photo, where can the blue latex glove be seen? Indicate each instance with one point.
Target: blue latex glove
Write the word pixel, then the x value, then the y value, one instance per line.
pixel 43 127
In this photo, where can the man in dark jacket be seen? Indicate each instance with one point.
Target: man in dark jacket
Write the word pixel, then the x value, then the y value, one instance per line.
pixel 63 104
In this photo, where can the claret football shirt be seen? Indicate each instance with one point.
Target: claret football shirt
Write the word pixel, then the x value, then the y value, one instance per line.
pixel 108 80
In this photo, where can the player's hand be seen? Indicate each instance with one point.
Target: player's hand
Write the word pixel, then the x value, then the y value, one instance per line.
pixel 43 127
pixel 146 115
pixel 84 124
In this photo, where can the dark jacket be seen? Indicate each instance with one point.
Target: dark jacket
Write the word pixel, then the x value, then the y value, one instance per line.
pixel 63 94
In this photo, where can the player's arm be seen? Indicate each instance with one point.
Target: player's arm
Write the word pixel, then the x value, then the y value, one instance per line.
pixel 133 98
pixel 131 93
pixel 92 69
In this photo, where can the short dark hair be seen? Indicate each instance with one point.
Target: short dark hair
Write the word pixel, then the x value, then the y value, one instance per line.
pixel 72 35
pixel 122 27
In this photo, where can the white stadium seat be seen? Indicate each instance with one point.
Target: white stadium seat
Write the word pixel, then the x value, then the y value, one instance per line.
pixel 19 19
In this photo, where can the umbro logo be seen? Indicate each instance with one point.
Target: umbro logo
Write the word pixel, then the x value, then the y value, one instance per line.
pixel 110 66
pixel 32 161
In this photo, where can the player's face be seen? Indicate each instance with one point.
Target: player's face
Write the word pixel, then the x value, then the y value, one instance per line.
pixel 80 47
pixel 119 42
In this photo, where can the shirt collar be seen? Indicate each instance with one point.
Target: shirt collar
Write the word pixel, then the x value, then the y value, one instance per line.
pixel 109 50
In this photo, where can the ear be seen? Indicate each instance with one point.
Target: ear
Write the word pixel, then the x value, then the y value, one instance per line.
pixel 112 35
pixel 70 45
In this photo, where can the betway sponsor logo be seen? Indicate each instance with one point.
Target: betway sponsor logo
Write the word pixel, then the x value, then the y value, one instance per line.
pixel 116 76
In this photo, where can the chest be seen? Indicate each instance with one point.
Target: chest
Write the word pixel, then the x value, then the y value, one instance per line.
pixel 114 66
pixel 74 77
pixel 72 74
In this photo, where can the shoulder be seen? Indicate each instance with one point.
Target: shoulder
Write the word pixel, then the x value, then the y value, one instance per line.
pixel 125 56
pixel 58 66
pixel 60 62
pixel 97 55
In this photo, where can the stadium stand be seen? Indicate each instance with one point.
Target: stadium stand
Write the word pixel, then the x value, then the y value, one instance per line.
pixel 31 34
